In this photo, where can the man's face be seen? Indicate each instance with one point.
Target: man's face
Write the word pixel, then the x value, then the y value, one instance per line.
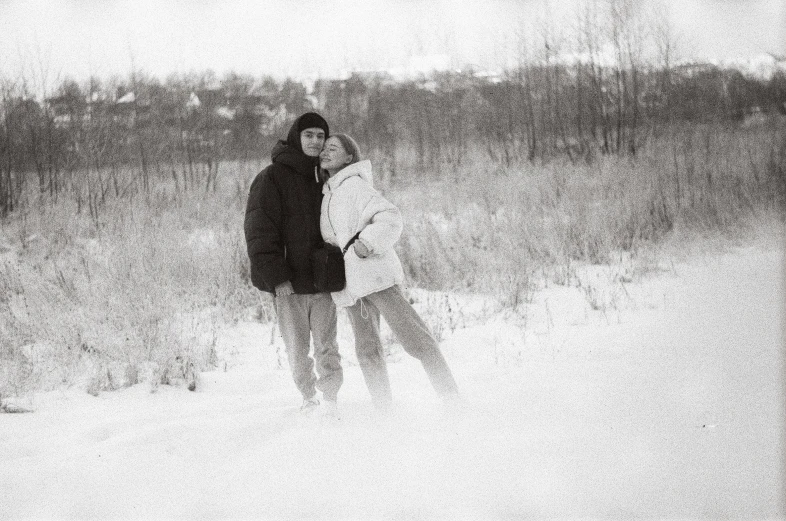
pixel 312 140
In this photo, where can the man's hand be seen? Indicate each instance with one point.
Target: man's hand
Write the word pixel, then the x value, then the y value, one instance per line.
pixel 284 289
pixel 361 250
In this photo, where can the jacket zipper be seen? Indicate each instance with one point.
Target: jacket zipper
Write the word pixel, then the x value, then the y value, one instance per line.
pixel 330 221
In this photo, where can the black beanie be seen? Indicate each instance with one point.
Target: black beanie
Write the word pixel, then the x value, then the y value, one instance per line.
pixel 312 120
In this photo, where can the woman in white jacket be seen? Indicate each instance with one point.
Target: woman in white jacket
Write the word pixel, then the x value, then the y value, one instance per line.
pixel 351 205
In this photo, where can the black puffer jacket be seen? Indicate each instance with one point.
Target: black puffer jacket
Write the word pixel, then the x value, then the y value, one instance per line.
pixel 282 218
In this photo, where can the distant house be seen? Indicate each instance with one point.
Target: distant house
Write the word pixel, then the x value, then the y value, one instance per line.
pixel 225 112
pixel 209 99
pixel 66 109
pixel 211 102
pixel 193 102
pixel 128 98
pixel 124 111
pixel 494 77
pixel 692 69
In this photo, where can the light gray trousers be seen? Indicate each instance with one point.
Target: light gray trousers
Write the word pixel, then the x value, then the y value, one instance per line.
pixel 409 329
pixel 299 318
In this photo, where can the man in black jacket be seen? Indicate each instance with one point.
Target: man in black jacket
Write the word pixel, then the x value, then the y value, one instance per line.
pixel 282 229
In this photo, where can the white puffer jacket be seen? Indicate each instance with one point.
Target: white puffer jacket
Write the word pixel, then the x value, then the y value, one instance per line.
pixel 350 205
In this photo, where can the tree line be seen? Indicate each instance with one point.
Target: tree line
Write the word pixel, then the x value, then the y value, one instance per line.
pixel 110 138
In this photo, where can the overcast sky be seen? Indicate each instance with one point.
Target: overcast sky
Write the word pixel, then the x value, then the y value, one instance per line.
pixel 302 38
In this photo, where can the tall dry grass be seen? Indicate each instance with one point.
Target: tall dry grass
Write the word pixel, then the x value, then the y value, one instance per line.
pixel 138 288
pixel 136 294
pixel 493 229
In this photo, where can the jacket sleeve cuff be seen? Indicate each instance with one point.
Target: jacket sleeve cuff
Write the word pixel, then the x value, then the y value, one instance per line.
pixel 366 244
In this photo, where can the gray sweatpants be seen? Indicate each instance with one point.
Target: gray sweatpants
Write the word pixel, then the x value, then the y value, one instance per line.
pixel 409 329
pixel 299 318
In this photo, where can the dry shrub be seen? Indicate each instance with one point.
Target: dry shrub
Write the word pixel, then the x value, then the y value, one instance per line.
pixel 136 296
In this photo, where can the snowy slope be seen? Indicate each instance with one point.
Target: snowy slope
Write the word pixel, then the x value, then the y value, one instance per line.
pixel 662 399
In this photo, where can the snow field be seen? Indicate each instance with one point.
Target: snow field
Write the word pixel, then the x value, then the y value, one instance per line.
pixel 665 401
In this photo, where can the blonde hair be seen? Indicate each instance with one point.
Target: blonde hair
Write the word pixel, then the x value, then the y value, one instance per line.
pixel 350 146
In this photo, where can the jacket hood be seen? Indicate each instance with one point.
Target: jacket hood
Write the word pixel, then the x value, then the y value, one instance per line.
pixel 361 169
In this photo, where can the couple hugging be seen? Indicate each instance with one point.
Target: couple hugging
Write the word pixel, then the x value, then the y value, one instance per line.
pixel 317 190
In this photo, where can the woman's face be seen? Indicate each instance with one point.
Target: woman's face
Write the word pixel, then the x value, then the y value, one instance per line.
pixel 333 157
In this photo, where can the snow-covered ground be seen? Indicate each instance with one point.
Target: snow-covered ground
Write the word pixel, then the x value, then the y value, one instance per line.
pixel 627 397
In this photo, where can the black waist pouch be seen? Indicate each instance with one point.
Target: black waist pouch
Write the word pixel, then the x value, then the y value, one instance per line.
pixel 327 262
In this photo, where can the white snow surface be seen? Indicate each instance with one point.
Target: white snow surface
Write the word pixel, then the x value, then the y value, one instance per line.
pixel 664 400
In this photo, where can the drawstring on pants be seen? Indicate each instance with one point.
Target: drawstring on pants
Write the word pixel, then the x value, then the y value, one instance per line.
pixel 363 309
